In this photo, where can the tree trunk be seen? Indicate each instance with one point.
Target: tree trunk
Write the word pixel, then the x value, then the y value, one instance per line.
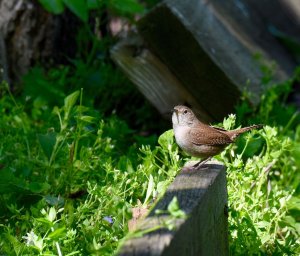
pixel 30 35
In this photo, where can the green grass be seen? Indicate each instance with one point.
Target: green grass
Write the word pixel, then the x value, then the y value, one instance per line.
pixel 73 163
pixel 69 177
pixel 72 167
pixel 263 178
pixel 69 181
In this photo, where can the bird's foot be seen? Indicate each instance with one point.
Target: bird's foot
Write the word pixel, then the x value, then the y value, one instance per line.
pixel 201 163
pixel 197 166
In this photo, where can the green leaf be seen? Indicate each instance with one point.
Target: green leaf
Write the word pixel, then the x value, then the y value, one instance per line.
pixel 166 139
pixel 16 243
pixel 44 221
pixel 73 253
pixel 52 214
pixel 174 209
pixel 229 122
pixel 79 8
pixel 70 101
pixel 58 233
pixel 265 238
pixel 149 189
pixel 297 227
pixel 289 220
pixel 294 203
pixel 93 4
pixel 53 6
pixel 127 6
pixel 263 224
pixel 7 177
pixel 9 183
pixel 173 205
pixel 276 154
pixel 47 142
pixel 88 119
pixel 161 186
pixel 38 187
pixel 254 146
pixel 55 201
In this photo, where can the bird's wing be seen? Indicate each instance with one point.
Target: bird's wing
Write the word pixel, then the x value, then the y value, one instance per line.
pixel 208 136
pixel 218 128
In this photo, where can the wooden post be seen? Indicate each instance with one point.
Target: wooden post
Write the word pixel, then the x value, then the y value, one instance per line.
pixel 202 195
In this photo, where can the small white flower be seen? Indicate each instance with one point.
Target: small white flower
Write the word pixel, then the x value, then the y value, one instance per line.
pixel 33 240
pixel 30 238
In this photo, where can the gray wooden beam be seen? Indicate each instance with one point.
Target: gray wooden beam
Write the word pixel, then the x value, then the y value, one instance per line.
pixel 207 45
pixel 208 53
pixel 153 78
pixel 202 195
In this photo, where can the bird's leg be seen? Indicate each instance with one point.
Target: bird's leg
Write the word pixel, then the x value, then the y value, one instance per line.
pixel 197 165
pixel 202 162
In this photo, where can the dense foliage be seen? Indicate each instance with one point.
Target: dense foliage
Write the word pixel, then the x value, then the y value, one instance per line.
pixel 73 177
pixel 74 162
pixel 70 176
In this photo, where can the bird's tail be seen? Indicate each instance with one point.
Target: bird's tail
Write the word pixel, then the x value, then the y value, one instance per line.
pixel 235 133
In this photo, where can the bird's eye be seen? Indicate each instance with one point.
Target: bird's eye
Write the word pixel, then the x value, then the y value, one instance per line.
pixel 185 112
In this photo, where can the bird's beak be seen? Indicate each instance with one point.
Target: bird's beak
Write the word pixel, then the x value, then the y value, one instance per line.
pixel 174 110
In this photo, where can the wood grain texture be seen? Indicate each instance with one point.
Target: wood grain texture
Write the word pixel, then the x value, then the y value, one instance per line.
pixel 210 46
pixel 152 77
pixel 168 37
pixel 202 195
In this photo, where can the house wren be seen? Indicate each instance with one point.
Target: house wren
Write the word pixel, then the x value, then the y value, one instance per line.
pixel 201 140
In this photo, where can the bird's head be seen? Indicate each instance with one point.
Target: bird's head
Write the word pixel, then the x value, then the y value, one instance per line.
pixel 183 116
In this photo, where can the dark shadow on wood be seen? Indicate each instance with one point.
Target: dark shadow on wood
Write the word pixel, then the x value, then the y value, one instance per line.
pixel 202 195
pixel 209 53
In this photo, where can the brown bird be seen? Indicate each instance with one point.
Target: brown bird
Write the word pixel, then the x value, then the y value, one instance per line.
pixel 199 139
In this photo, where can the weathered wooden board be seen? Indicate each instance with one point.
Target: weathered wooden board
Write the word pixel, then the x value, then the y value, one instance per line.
pixel 152 77
pixel 250 22
pixel 207 46
pixel 213 50
pixel 282 14
pixel 279 19
pixel 202 195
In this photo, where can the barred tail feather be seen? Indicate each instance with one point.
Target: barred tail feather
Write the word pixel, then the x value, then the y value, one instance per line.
pixel 235 133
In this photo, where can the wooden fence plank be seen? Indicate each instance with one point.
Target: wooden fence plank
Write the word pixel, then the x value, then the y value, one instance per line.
pixel 152 77
pixel 202 195
pixel 207 45
pixel 213 51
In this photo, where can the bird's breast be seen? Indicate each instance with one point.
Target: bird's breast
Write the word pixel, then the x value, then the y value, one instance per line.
pixel 199 150
pixel 181 134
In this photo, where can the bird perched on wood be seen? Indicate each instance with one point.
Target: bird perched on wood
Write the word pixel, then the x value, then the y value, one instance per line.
pixel 199 139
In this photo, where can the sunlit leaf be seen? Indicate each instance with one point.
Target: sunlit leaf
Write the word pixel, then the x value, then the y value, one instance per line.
pixel 166 139
pixel 52 214
pixel 69 102
pixel 88 119
pixel 58 233
pixel 174 208
pixel 150 188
